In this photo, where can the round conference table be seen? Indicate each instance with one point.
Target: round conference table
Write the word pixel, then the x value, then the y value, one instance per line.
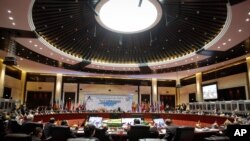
pixel 178 119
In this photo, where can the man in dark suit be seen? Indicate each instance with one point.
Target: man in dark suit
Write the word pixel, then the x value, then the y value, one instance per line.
pixel 47 127
pixel 170 130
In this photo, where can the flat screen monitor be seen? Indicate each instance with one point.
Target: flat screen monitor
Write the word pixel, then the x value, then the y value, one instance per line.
pixel 159 123
pixel 210 91
pixel 129 121
pixel 97 121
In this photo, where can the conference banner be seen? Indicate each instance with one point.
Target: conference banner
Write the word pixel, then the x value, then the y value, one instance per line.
pixel 108 102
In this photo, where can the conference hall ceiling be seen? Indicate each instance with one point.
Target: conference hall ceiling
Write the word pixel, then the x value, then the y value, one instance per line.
pixel 187 28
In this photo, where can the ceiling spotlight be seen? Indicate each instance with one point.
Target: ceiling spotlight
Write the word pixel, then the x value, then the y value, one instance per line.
pixel 240 30
pixel 13 23
pixel 229 40
pixel 247 20
pixel 11 18
pixel 9 11
pixel 224 44
pixel 30 41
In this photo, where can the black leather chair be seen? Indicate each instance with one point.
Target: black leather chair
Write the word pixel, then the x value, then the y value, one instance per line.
pixel 2 128
pixel 13 126
pixel 60 133
pixel 102 135
pixel 137 132
pixel 184 134
pixel 30 127
pixel 17 137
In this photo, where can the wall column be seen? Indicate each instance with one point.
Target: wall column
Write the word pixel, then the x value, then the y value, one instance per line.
pixel 58 88
pixel 177 96
pixel 248 77
pixel 2 77
pixel 199 97
pixel 23 87
pixel 154 90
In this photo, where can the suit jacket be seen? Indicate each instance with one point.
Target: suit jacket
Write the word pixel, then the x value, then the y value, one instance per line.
pixel 47 129
pixel 170 133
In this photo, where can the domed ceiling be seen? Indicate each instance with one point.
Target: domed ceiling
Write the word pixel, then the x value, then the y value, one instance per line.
pixel 189 35
pixel 185 27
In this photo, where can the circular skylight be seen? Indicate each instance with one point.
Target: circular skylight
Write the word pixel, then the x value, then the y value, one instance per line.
pixel 128 16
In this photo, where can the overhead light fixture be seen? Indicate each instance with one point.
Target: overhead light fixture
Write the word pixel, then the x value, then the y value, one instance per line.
pixel 125 16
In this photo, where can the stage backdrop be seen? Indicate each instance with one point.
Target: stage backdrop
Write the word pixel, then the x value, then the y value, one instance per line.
pixel 108 102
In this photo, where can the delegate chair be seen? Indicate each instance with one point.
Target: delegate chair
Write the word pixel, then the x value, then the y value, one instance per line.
pixel 137 132
pixel 29 127
pixel 13 126
pixel 17 137
pixel 60 133
pixel 102 135
pixel 184 134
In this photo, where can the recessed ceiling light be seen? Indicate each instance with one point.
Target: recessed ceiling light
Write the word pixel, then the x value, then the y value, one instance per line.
pixel 35 45
pixel 224 44
pixel 2 38
pixel 218 47
pixel 21 59
pixel 30 41
pixel 11 18
pixel 41 48
pixel 9 11
pixel 229 40
pixel 247 20
pixel 248 13
pixel 13 23
pixel 240 30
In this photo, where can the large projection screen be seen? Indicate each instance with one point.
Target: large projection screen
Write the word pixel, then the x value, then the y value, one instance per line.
pixel 210 92
pixel 108 102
